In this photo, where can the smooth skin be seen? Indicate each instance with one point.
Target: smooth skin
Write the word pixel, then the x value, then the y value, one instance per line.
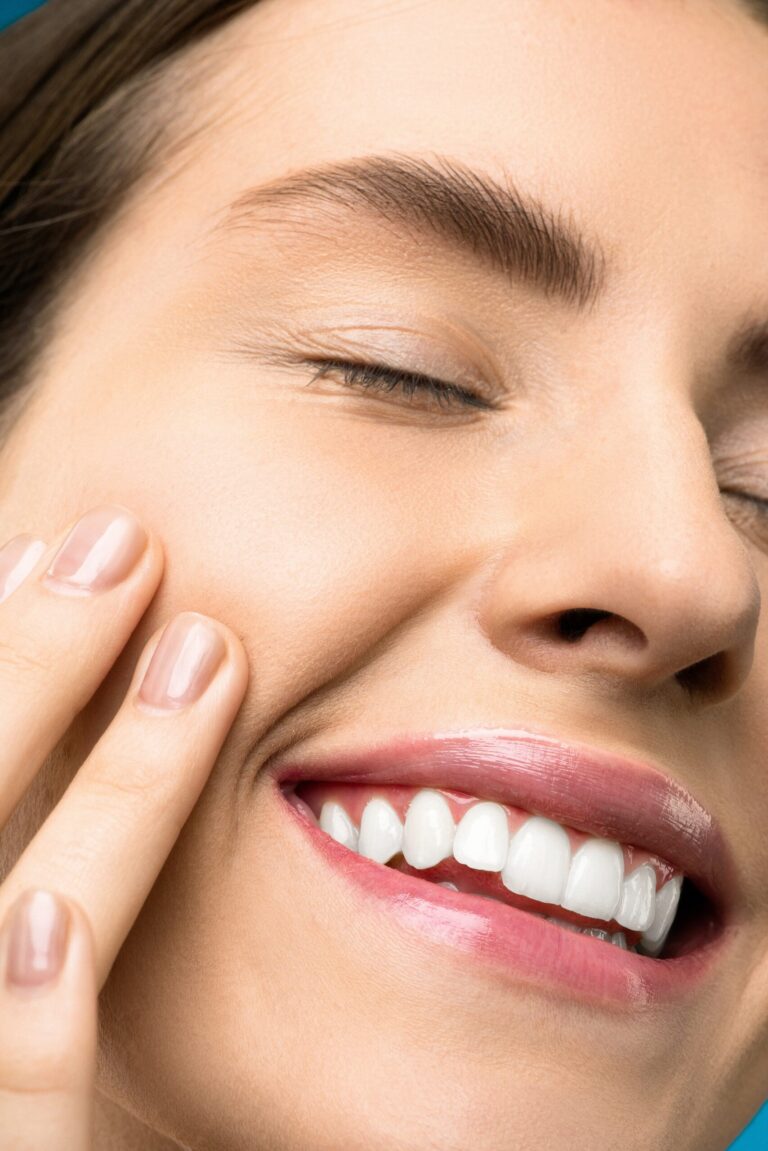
pixel 391 569
pixel 135 789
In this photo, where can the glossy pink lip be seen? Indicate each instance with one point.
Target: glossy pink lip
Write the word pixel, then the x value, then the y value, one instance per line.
pixel 513 945
pixel 588 789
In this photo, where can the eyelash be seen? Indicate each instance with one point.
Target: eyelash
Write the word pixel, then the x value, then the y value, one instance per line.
pixel 759 504
pixel 381 378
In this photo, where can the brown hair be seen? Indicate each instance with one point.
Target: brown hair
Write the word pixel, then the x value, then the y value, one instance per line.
pixel 87 98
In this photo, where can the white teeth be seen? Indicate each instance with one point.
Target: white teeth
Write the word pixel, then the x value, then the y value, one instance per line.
pixel 381 832
pixel 667 899
pixel 597 933
pixel 535 862
pixel 594 881
pixel 638 899
pixel 538 860
pixel 429 830
pixel 618 938
pixel 335 822
pixel 482 837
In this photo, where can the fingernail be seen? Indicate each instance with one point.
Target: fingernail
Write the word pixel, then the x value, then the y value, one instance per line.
pixel 17 559
pixel 183 663
pixel 37 928
pixel 99 552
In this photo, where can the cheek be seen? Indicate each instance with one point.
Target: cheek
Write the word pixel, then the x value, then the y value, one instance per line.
pixel 311 531
pixel 304 559
pixel 310 528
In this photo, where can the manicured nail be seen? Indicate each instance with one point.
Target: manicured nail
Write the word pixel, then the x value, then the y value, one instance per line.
pixel 183 663
pixel 38 929
pixel 17 559
pixel 99 552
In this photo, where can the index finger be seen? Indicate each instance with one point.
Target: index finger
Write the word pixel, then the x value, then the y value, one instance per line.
pixel 105 842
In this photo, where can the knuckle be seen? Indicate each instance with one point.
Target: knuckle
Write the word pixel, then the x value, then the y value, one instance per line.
pixel 21 661
pixel 119 803
pixel 130 777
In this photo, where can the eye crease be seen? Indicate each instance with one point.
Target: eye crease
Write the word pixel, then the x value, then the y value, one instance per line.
pixel 381 378
pixel 758 503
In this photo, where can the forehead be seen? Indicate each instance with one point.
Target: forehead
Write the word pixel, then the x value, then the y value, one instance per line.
pixel 537 82
pixel 645 122
pixel 646 117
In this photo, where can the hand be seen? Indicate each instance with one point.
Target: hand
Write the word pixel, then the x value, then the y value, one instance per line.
pixel 103 844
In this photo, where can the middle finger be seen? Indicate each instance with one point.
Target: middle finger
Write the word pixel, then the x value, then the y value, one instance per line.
pixel 106 840
pixel 58 641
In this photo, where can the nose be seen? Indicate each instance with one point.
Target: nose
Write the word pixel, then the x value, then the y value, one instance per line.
pixel 625 567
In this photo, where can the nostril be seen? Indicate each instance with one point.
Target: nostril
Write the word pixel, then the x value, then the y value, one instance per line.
pixel 703 678
pixel 574 623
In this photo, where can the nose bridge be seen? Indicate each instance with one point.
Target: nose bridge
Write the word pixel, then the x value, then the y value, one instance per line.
pixel 642 465
pixel 632 532
pixel 663 521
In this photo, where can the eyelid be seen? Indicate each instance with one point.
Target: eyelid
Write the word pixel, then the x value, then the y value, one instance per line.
pixel 408 383
pixel 396 347
pixel 409 349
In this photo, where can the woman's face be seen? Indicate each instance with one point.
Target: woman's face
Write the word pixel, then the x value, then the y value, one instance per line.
pixel 397 566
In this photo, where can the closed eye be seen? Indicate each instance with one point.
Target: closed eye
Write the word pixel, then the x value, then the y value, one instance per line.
pixel 381 378
pixel 758 502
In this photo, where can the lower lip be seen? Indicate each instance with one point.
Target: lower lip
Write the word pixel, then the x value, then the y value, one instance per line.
pixel 513 944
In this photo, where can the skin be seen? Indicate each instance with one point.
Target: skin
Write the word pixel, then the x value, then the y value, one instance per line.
pixel 255 1002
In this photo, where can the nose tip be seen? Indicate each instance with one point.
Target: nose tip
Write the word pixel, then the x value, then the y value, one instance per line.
pixel 633 622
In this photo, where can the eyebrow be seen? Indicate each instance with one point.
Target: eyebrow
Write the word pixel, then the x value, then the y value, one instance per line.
pixel 507 231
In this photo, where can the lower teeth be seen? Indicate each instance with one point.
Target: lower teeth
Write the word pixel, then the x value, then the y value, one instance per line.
pixel 617 938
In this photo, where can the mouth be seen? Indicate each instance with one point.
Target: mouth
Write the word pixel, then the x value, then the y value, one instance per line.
pixel 555 861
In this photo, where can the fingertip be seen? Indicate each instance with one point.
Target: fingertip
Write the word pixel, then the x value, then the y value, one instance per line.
pixel 44 938
pixel 236 655
pixel 48 1004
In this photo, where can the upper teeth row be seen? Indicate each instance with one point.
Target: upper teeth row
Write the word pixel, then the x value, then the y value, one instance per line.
pixel 536 861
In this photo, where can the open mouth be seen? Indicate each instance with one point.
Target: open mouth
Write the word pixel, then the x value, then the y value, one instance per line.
pixel 560 862
pixel 616 893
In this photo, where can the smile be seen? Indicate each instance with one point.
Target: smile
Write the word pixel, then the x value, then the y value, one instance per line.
pixel 531 852
pixel 503 853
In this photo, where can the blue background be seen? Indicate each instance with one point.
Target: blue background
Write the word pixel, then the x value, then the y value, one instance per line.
pixel 13 10
pixel 755 1137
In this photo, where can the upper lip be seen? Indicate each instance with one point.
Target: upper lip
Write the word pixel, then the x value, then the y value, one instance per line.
pixel 591 790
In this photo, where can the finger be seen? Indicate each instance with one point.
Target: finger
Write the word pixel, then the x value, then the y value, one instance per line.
pixel 59 639
pixel 108 837
pixel 48 1029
